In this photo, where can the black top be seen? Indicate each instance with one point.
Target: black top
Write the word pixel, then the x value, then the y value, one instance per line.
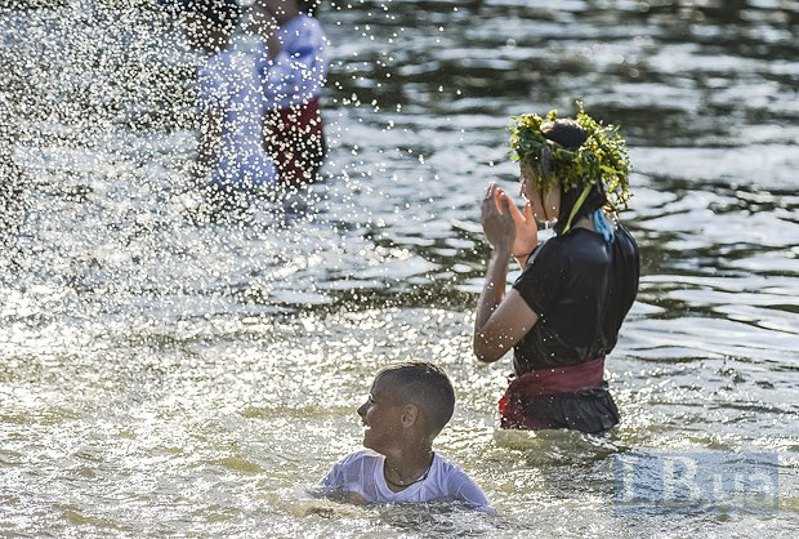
pixel 581 288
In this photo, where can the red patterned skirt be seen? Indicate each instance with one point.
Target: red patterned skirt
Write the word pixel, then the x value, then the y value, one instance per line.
pixel 295 138
pixel 573 396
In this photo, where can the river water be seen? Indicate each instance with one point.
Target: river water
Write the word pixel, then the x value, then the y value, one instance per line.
pixel 165 374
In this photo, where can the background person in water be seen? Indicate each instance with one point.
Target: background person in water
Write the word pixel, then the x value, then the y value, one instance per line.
pixel 408 405
pixel 230 104
pixel 293 71
pixel 562 315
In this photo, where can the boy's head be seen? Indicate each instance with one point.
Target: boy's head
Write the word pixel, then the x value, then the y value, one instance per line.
pixel 209 24
pixel 407 402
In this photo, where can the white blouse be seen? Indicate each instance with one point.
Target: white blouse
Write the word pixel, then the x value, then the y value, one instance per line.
pixel 297 74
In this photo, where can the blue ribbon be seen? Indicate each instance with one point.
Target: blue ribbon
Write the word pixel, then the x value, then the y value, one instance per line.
pixel 602 226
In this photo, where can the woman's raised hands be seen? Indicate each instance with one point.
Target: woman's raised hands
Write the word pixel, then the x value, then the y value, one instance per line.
pixel 496 218
pixel 526 239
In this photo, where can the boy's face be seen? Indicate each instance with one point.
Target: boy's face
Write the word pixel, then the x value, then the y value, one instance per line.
pixel 381 415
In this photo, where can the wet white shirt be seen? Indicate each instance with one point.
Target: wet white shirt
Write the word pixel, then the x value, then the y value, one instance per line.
pixel 296 75
pixel 229 83
pixel 361 473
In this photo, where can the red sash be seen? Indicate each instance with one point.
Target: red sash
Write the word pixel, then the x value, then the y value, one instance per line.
pixel 516 408
pixel 296 140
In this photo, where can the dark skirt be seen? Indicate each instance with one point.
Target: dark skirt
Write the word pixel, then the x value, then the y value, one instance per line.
pixel 569 397
pixel 591 411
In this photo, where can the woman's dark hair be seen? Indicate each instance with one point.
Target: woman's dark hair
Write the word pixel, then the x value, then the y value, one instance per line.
pixel 571 136
pixel 309 7
pixel 219 14
pixel 565 132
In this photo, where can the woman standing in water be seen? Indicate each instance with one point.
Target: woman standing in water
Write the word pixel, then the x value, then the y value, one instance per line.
pixel 562 315
pixel 294 70
pixel 229 102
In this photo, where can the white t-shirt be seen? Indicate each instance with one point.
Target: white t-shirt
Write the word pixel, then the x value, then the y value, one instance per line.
pixel 229 83
pixel 361 473
pixel 296 75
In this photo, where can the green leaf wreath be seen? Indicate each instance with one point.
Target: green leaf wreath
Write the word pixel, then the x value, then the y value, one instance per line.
pixel 602 157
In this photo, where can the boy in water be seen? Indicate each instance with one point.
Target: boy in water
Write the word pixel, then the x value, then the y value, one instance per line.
pixel 407 407
pixel 293 71
pixel 230 103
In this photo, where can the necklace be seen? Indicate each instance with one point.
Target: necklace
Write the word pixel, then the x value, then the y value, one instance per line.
pixel 405 485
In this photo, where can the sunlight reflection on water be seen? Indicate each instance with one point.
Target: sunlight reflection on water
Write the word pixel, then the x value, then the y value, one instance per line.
pixel 164 375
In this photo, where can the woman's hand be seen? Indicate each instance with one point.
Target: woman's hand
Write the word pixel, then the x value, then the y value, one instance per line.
pixel 526 229
pixel 497 220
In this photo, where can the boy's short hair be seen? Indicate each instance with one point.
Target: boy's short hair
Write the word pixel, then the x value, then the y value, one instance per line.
pixel 426 385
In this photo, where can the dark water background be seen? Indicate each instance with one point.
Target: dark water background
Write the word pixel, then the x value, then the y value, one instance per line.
pixel 160 375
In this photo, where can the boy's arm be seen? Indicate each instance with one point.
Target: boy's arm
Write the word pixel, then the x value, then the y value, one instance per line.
pixel 334 485
pixel 465 490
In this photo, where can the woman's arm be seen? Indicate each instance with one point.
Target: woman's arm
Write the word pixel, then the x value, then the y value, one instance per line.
pixel 490 297
pixel 500 321
pixel 507 323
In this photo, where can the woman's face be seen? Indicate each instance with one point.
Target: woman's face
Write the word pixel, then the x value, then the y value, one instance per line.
pixel 205 36
pixel 546 206
pixel 282 10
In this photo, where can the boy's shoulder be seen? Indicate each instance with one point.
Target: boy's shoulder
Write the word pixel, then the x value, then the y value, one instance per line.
pixel 457 484
pixel 447 467
pixel 353 468
pixel 362 455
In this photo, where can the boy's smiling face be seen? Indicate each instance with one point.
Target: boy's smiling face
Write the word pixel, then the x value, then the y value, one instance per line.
pixel 381 415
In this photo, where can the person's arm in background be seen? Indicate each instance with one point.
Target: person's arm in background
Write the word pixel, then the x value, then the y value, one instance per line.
pixel 296 65
pixel 212 87
pixel 210 135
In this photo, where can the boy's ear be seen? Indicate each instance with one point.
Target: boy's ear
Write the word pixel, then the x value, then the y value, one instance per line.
pixel 410 415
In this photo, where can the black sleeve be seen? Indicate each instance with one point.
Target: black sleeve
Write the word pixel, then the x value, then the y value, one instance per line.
pixel 629 268
pixel 542 280
pixel 625 275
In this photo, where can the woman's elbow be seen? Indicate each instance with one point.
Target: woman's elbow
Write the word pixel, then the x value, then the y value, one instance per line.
pixel 483 352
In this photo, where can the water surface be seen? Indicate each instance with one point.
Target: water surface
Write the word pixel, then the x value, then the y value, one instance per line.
pixel 165 374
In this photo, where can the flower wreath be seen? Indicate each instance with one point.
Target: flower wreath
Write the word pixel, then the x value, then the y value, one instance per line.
pixel 601 160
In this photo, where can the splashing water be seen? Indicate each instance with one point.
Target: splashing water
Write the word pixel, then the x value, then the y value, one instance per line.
pixel 162 372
